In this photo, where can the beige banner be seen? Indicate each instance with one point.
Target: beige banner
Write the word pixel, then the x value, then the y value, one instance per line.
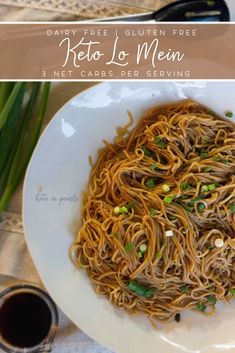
pixel 65 51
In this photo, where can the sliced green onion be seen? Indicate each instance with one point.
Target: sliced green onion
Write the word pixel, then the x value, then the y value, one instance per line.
pixel 184 289
pixel 158 255
pixel 208 169
pixel 220 160
pixel 212 299
pixel 196 199
pixel 201 307
pixel 143 248
pixel 204 188
pixel 116 210
pixel 166 188
pixel 229 114
pixel 130 205
pixel 141 289
pixel 201 207
pixel 147 151
pixel 210 247
pixel 212 187
pixel 150 183
pixel 139 254
pixel 232 291
pixel 232 208
pixel 153 166
pixel 115 235
pixel 185 186
pixel 168 199
pixel 203 154
pixel 123 210
pixel 152 212
pixel 160 142
pixel 128 247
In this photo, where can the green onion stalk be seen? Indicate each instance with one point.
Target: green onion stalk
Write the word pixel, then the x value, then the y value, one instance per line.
pixel 22 111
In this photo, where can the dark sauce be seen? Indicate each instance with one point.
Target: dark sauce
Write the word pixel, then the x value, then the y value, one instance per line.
pixel 25 320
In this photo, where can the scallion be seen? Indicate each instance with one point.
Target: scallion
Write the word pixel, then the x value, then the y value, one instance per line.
pixel 229 114
pixel 158 255
pixel 152 212
pixel 201 307
pixel 166 188
pixel 128 247
pixel 212 187
pixel 185 186
pixel 204 188
pixel 185 289
pixel 232 291
pixel 153 166
pixel 150 183
pixel 203 154
pixel 168 199
pixel 141 289
pixel 27 134
pixel 212 299
pixel 147 151
pixel 160 142
pixel 143 248
pixel 232 208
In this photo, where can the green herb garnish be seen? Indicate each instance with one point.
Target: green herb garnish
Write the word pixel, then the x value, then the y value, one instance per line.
pixel 203 154
pixel 141 289
pixel 158 255
pixel 229 114
pixel 212 299
pixel 184 197
pixel 220 160
pixel 186 207
pixel 168 199
pixel 212 187
pixel 177 317
pixel 130 205
pixel 150 183
pixel 128 247
pixel 204 188
pixel 153 166
pixel 147 151
pixel 232 291
pixel 152 212
pixel 232 208
pixel 123 210
pixel 200 207
pixel 196 199
pixel 160 142
pixel 208 169
pixel 210 247
pixel 184 289
pixel 201 307
pixel 185 186
pixel 115 235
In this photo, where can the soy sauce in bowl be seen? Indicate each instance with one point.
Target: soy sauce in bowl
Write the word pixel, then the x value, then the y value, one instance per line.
pixel 28 317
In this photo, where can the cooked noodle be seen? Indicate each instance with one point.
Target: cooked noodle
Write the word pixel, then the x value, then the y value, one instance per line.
pixel 158 220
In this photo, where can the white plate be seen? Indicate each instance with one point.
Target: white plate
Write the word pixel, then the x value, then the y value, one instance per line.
pixel 59 168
